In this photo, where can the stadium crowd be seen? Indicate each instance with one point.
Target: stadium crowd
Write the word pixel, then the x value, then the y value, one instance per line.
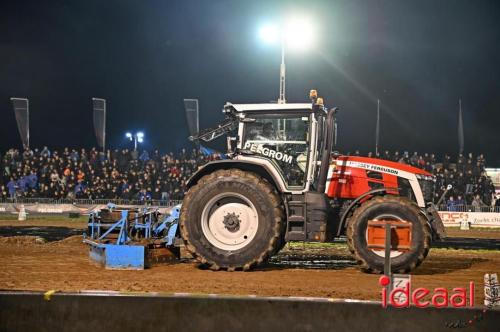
pixel 130 175
pixel 81 174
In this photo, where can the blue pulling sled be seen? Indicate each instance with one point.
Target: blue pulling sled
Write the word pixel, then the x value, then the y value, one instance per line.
pixel 139 239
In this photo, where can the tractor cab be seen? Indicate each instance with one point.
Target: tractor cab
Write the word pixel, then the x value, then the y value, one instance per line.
pixel 287 139
pixel 290 137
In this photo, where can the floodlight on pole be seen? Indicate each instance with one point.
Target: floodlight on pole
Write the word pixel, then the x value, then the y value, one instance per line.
pixel 269 33
pixel 136 138
pixel 298 33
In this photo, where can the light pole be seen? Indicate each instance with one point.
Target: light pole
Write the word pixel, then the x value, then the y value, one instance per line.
pixel 281 99
pixel 297 33
pixel 136 138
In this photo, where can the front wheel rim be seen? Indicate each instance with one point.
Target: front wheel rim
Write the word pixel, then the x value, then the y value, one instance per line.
pixel 229 221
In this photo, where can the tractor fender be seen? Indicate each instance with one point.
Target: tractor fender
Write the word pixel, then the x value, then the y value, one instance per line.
pixel 262 167
pixel 351 207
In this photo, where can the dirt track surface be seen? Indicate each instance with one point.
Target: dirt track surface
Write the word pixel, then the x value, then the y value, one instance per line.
pixel 478 233
pixel 30 264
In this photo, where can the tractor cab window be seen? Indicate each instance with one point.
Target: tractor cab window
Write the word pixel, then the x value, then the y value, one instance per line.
pixel 282 139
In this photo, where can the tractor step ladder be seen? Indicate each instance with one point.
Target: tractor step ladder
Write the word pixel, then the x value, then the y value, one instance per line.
pixel 296 223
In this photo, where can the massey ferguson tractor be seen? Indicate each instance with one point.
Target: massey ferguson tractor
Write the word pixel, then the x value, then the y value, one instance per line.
pixel 281 182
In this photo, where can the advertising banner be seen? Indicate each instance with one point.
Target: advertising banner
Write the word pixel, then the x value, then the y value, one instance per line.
pixel 475 219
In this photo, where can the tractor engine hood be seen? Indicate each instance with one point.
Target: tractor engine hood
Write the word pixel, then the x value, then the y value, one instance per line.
pixel 381 165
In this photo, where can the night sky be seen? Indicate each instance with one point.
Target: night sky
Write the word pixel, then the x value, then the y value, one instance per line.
pixel 144 57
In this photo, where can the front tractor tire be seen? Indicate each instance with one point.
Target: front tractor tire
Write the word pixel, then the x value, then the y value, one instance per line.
pixel 232 220
pixel 388 208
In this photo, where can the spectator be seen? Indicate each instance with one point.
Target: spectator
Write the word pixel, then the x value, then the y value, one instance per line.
pixel 497 204
pixel 414 159
pixel 144 157
pixel 144 195
pixel 45 153
pixel 12 187
pixel 3 192
pixel 477 203
pixel 451 204
pixel 32 180
pixel 460 203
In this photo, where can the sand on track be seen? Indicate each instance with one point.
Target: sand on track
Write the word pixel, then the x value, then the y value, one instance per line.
pixel 30 264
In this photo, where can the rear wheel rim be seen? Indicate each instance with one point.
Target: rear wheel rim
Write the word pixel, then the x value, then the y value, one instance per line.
pixel 229 221
pixel 389 217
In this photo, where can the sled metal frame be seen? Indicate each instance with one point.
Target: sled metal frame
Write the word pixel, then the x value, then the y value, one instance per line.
pixel 123 253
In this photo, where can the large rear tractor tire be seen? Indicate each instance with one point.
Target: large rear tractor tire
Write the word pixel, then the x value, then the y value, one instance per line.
pixel 390 208
pixel 232 220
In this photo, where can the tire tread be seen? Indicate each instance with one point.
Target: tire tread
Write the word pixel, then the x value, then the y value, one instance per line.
pixel 263 186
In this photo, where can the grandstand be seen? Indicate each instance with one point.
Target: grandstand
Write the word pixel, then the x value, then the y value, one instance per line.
pixel 130 177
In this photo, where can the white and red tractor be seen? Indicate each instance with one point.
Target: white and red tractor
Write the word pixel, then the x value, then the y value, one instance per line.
pixel 282 182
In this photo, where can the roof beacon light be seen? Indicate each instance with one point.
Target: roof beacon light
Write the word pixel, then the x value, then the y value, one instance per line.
pixel 319 101
pixel 313 94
